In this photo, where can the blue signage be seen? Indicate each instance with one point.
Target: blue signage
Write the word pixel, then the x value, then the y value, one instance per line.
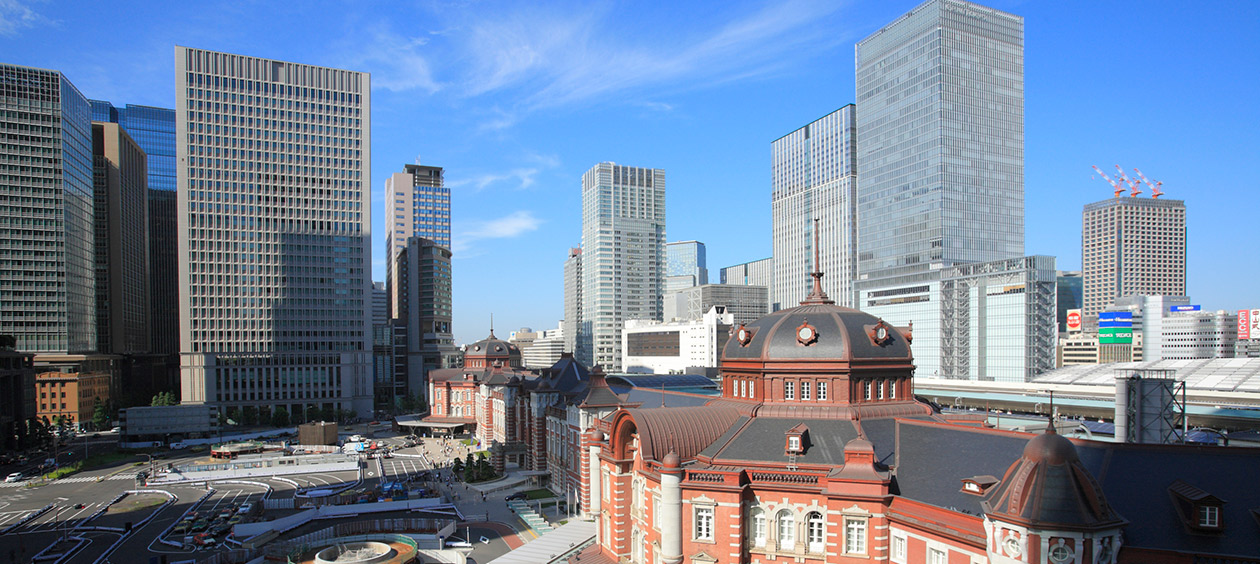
pixel 1185 308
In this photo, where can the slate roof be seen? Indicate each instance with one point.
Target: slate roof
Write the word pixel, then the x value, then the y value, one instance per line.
pixel 841 335
pixel 761 439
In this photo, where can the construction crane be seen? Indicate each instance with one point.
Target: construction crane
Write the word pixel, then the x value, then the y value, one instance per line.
pixel 1155 191
pixel 1135 187
pixel 1113 183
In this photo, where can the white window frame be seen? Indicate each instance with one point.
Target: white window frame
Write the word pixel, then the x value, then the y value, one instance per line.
pixel 789 390
pixel 702 526
pixel 937 556
pixel 898 549
pixel 794 443
pixel 879 388
pixel 815 532
pixel 822 391
pixel 1209 516
pixel 892 389
pixel 785 528
pixel 866 389
pixel 854 535
pixel 758 532
pixel 805 391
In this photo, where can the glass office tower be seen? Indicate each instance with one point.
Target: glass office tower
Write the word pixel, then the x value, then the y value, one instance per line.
pixel 685 265
pixel 274 206
pixel 417 204
pixel 940 98
pixel 814 176
pixel 153 129
pixel 623 255
pixel 48 302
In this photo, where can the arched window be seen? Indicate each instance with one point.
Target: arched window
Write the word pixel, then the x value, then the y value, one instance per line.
pixel 786 529
pixel 636 507
pixel 758 528
pixel 815 535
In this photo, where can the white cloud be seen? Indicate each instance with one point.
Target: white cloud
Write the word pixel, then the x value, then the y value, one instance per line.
pixel 16 15
pixel 397 63
pixel 512 225
pixel 521 177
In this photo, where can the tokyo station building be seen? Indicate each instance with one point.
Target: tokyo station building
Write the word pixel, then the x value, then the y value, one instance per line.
pixel 817 451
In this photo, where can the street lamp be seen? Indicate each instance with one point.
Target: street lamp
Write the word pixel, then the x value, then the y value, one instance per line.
pixel 57 516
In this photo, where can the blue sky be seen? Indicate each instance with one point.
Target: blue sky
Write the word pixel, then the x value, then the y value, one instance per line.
pixel 517 99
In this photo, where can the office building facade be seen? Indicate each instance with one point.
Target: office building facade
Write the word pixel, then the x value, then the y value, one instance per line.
pixel 745 303
pixel 120 194
pixel 814 178
pixel 755 273
pixel 940 98
pixel 49 302
pixel 576 336
pixel 153 129
pixel 1132 246
pixel 685 265
pixel 417 204
pixel 671 347
pixel 423 274
pixel 623 254
pixel 274 198
pixel 1199 334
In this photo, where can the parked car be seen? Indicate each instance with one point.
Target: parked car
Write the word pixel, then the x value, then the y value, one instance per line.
pixel 246 508
pixel 182 527
pixel 515 496
pixel 14 477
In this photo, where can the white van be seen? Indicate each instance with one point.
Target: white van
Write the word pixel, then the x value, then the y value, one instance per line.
pixel 178 446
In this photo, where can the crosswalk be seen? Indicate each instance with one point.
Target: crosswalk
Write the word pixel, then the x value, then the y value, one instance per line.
pixel 72 480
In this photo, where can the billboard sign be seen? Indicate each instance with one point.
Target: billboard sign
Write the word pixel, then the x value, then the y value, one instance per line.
pixel 1249 324
pixel 1115 335
pixel 1073 320
pixel 1178 308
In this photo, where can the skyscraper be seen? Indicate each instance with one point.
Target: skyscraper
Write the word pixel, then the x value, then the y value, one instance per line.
pixel 1132 246
pixel 623 254
pixel 153 129
pixel 274 210
pixel 940 116
pixel 755 273
pixel 572 326
pixel 685 265
pixel 49 298
pixel 813 178
pixel 120 187
pixel 423 273
pixel 417 204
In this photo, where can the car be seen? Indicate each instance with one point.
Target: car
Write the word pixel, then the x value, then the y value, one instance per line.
pixel 199 526
pixel 246 508
pixel 515 496
pixel 236 519
pixel 182 527
pixel 226 514
pixel 14 477
pixel 220 529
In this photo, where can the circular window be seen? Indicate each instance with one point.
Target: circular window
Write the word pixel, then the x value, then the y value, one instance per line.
pixel 1011 545
pixel 1060 553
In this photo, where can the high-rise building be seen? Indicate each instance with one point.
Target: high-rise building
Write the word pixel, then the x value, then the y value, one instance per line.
pixel 755 273
pixel 120 188
pixel 1070 295
pixel 940 118
pixel 380 304
pixel 49 298
pixel 814 178
pixel 623 254
pixel 422 271
pixel 1132 246
pixel 576 336
pixel 685 265
pixel 417 204
pixel 274 200
pixel 153 129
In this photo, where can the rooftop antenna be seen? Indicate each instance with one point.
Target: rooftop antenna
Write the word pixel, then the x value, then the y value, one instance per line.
pixel 817 296
pixel 492 324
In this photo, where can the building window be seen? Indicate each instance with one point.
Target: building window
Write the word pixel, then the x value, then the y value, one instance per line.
pixel 704 523
pixel 855 536
pixel 899 549
pixel 805 391
pixel 1209 516
pixel 786 529
pixel 789 390
pixel 879 387
pixel 822 391
pixel 743 389
pixel 892 389
pixel 866 390
pixel 936 556
pixel 759 526
pixel 815 534
pixel 794 443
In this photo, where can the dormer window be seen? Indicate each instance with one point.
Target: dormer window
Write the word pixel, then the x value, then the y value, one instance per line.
pixel 1200 511
pixel 797 439
pixel 978 485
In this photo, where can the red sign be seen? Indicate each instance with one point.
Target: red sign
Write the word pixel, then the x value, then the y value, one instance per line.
pixel 1244 324
pixel 1074 320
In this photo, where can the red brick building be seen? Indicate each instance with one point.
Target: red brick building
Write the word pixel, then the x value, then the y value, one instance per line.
pixel 818 452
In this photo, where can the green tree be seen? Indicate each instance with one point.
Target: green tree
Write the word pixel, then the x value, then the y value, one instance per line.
pixel 100 415
pixel 470 469
pixel 457 467
pixel 234 415
pixel 164 398
pixel 280 417
pixel 484 470
pixel 250 415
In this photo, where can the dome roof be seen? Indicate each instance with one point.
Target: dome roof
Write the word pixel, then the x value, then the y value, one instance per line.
pixel 817 331
pixel 1049 488
pixel 492 347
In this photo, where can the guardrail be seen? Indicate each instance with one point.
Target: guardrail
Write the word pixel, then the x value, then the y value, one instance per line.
pixel 28 518
pixel 170 499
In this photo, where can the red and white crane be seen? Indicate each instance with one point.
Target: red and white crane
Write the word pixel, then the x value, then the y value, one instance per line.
pixel 1135 187
pixel 1113 183
pixel 1155 191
